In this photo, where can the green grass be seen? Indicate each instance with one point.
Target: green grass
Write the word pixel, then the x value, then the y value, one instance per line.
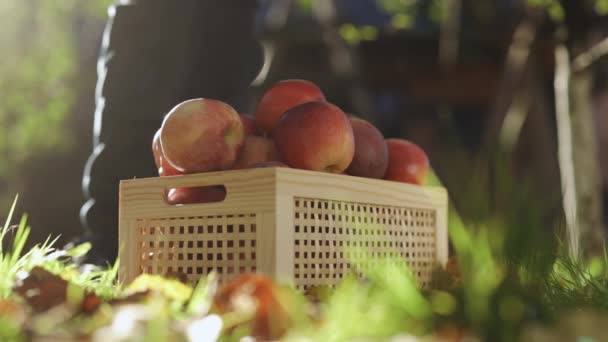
pixel 514 275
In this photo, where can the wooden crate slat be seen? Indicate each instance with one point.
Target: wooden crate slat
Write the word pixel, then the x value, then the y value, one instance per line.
pixel 284 222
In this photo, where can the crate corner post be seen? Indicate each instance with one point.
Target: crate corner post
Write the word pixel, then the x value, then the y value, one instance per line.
pixel 442 229
pixel 127 253
pixel 284 230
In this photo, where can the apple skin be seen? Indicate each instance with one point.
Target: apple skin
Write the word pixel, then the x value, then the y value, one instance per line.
pixel 281 97
pixel 201 135
pixel 407 162
pixel 205 194
pixel 248 124
pixel 371 152
pixel 256 150
pixel 163 167
pixel 156 149
pixel 166 170
pixel 316 136
pixel 272 163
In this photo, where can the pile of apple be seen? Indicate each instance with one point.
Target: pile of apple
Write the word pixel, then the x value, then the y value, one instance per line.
pixel 294 126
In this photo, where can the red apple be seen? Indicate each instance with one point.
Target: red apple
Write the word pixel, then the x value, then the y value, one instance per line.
pixel 281 97
pixel 205 194
pixel 371 152
pixel 163 167
pixel 156 150
pixel 316 136
pixel 255 150
pixel 407 162
pixel 272 163
pixel 248 124
pixel 201 135
pixel 166 170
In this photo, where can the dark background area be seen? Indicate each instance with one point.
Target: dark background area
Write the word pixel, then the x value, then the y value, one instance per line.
pixel 383 60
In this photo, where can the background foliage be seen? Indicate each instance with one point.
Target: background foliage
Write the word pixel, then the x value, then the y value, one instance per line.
pixel 38 75
pixel 47 78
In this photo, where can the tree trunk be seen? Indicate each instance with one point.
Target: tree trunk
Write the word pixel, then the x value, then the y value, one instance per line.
pixel 586 165
pixel 584 217
pixel 579 167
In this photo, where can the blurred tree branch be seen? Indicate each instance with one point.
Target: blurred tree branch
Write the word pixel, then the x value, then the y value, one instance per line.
pixel 592 55
pixel 565 147
pixel 343 59
pixel 449 40
pixel 516 65
pixel 579 166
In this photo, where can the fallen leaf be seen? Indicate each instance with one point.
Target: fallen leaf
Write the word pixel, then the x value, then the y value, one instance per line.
pixel 453 269
pixel 41 289
pixel 257 298
pixel 172 289
pixel 131 298
pixel 13 311
pixel 90 303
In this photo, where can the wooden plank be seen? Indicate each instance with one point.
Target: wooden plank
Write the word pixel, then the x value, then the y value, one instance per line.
pixel 266 211
pixel 284 230
pixel 246 191
pixel 441 234
pixel 266 243
pixel 127 249
pixel 358 189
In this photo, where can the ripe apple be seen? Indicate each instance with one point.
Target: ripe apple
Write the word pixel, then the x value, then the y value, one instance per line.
pixel 248 124
pixel 270 314
pixel 371 152
pixel 272 163
pixel 407 162
pixel 156 150
pixel 279 98
pixel 201 135
pixel 163 167
pixel 255 150
pixel 316 136
pixel 166 170
pixel 204 194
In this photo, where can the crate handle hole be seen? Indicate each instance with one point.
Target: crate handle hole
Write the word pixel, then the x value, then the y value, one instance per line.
pixel 195 195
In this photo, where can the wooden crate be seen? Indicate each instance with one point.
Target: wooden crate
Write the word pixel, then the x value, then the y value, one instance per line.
pixel 289 223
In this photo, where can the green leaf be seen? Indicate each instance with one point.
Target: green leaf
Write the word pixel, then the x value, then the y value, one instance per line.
pixel 171 289
pixel 10 332
pixel 201 298
pixel 7 223
pixel 601 7
pixel 80 250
